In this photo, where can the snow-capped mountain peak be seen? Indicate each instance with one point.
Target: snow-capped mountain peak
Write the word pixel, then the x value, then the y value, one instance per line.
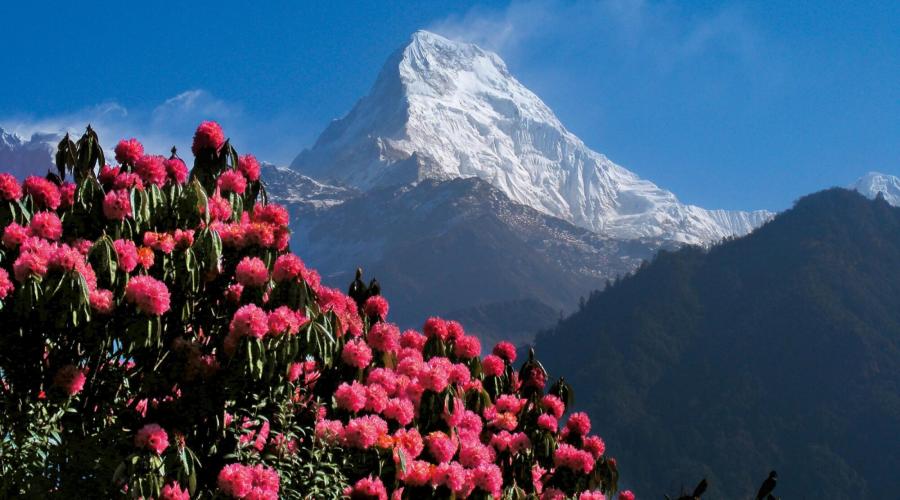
pixel 442 109
pixel 873 183
pixel 24 157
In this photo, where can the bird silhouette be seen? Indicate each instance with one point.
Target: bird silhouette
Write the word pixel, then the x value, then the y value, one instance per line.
pixel 374 288
pixel 767 486
pixel 358 290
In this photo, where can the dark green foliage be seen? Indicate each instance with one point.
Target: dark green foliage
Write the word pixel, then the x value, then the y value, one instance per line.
pixel 778 350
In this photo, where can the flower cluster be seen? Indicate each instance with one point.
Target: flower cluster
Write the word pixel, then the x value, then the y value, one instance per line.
pixel 174 320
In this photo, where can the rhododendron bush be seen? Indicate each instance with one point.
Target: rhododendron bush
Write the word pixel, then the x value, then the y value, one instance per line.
pixel 160 341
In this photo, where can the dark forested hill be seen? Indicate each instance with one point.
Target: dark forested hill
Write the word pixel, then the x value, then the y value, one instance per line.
pixel 777 350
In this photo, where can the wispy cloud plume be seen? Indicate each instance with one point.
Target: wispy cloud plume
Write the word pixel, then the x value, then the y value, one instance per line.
pixel 656 32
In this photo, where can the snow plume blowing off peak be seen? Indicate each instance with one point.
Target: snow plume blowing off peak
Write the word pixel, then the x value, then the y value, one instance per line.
pixel 442 109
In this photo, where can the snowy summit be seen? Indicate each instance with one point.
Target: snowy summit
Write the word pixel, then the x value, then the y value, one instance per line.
pixel 442 109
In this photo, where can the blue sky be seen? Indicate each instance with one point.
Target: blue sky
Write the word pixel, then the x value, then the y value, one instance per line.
pixel 728 104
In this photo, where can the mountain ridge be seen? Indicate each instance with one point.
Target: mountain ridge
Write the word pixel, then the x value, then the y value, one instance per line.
pixel 441 109
pixel 778 350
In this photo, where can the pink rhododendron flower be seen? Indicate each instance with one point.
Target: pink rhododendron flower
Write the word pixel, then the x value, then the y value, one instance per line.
pixel 152 437
pixel 219 208
pixel 14 235
pixel 363 432
pixel 547 422
pixel 356 353
pixel 232 181
pixel 250 321
pixel 626 495
pixel 10 190
pixel 436 328
pixel 412 339
pixel 579 423
pixel 176 170
pixel 384 336
pixel 506 351
pixel 367 488
pixel 410 442
pixel 329 431
pixel 126 252
pixel 44 193
pixel 209 135
pixel 287 267
pixel 285 320
pixel 117 205
pixel 453 476
pixel 6 285
pixel 46 225
pixel 70 379
pixel 129 151
pixel 67 195
pixel 488 477
pixel 174 491
pixel 151 169
pixel 572 458
pixel 235 480
pixel 148 294
pixel 376 307
pixel 467 347
pixel 493 366
pixel 553 405
pixel 102 301
pixel 399 410
pixel 271 213
pixel 248 166
pixel 592 495
pixel 30 264
pixel 351 397
pixel 510 403
pixel 441 446
pixel 252 272
pixel 418 473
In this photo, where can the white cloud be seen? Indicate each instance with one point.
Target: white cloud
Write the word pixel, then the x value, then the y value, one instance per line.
pixel 159 127
pixel 651 31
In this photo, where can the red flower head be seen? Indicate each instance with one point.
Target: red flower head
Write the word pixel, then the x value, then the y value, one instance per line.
pixel 129 151
pixel 232 181
pixel 436 327
pixel 384 336
pixel 176 170
pixel 579 423
pixel 46 225
pixel 174 491
pixel 6 285
pixel 441 446
pixel 209 135
pixel 507 351
pixel 9 188
pixel 151 169
pixel 252 272
pixel 287 267
pixel 152 437
pixel 467 347
pixel 249 320
pixel 44 193
pixel 149 295
pixel 493 366
pixel 117 205
pixel 67 193
pixel 356 354
pixel 367 488
pixel 70 379
pixel 626 495
pixel 376 307
pixel 248 166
